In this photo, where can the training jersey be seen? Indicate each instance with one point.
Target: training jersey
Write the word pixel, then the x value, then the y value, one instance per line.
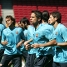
pixel 13 37
pixel 25 34
pixel 30 32
pixel 25 31
pixel 41 35
pixel 44 35
pixel 60 34
pixel 30 35
pixel 2 27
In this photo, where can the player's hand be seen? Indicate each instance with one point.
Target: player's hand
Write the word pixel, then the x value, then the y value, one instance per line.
pixel 4 42
pixel 19 44
pixel 25 43
pixel 35 45
pixel 27 46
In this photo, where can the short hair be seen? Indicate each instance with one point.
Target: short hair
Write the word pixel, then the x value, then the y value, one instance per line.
pixel 57 15
pixel 13 19
pixel 24 20
pixel 38 14
pixel 1 19
pixel 45 15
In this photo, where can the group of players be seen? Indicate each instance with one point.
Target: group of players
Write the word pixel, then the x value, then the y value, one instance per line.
pixel 42 41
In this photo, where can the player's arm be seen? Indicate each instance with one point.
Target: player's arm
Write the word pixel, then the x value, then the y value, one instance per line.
pixel 50 43
pixel 62 44
pixel 27 42
pixel 3 40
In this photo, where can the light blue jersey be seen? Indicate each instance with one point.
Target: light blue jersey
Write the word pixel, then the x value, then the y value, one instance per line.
pixel 44 35
pixel 13 37
pixel 31 31
pixel 2 27
pixel 41 35
pixel 25 34
pixel 60 34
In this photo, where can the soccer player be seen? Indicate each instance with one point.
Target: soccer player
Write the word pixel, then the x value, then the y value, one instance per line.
pixel 41 36
pixel 59 39
pixel 35 19
pixel 40 33
pixel 11 37
pixel 2 27
pixel 24 24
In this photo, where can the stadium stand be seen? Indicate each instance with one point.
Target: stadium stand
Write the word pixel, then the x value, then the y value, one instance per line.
pixel 23 8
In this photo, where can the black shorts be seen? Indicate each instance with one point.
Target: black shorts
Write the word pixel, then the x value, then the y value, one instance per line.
pixel 7 58
pixel 30 60
pixel 59 64
pixel 1 53
pixel 44 61
pixel 24 54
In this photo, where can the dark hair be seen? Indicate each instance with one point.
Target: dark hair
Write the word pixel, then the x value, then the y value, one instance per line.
pixel 24 20
pixel 38 14
pixel 1 19
pixel 13 19
pixel 45 15
pixel 57 15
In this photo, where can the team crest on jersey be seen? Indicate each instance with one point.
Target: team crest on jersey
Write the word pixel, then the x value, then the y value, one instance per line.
pixel 36 35
pixel 16 32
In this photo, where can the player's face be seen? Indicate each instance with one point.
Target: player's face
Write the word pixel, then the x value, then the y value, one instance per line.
pixel 33 18
pixel 52 19
pixel 22 25
pixel 8 21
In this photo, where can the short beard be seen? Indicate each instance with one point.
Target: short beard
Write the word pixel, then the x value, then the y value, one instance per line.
pixel 12 26
pixel 35 24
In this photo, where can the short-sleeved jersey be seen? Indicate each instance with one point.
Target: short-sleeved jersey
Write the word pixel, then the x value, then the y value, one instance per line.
pixel 25 34
pixel 31 31
pixel 13 37
pixel 22 49
pixel 60 34
pixel 41 35
pixel 44 35
pixel 2 27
